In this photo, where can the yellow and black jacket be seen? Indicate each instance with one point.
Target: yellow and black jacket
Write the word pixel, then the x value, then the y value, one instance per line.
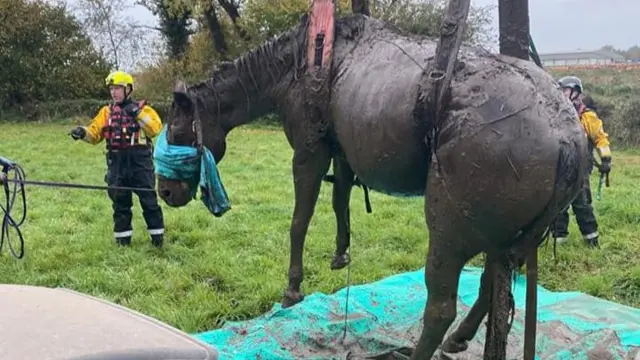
pixel 121 129
pixel 598 138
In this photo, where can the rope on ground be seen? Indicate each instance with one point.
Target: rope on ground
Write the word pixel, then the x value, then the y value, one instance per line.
pixel 13 181
pixel 79 186
pixel 346 305
pixel 8 221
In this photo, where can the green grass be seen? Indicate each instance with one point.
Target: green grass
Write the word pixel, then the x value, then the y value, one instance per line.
pixel 234 267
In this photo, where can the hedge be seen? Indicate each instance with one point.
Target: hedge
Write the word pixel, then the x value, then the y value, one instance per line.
pixel 82 111
pixel 621 115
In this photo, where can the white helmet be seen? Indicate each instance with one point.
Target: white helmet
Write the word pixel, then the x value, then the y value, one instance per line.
pixel 571 82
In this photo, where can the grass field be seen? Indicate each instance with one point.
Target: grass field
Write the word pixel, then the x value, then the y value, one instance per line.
pixel 234 267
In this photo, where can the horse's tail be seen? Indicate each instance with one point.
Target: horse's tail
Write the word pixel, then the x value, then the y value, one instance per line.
pixel 569 171
pixel 569 175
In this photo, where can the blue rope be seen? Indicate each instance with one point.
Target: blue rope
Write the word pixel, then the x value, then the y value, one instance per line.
pixel 186 163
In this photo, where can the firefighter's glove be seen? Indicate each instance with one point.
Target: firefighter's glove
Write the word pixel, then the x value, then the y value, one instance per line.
pixel 133 109
pixel 78 133
pixel 605 167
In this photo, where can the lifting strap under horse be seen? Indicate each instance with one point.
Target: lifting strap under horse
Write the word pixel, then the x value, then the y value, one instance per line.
pixel 320 38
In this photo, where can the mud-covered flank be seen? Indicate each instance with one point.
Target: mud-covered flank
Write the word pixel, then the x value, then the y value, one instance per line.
pixel 386 315
pixel 497 105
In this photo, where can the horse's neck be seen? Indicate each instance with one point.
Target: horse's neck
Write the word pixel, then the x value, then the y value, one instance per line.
pixel 273 88
pixel 254 105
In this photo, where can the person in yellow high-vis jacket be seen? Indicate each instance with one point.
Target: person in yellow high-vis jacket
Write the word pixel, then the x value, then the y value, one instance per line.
pixel 127 127
pixel 598 140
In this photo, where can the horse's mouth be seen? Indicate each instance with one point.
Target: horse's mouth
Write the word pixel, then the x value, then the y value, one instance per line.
pixel 174 193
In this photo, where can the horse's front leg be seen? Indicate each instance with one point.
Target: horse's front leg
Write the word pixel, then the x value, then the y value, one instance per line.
pixel 342 186
pixel 309 166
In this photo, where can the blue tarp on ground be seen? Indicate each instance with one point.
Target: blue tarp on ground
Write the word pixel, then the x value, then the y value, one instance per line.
pixel 386 315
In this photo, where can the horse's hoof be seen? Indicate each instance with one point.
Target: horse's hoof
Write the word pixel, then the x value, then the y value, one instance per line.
pixel 291 298
pixel 340 261
pixel 453 347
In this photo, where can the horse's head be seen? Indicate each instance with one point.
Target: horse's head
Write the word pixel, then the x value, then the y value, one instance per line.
pixel 238 91
pixel 216 115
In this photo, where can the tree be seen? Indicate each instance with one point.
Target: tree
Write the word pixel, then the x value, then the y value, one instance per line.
pixel 206 13
pixel 219 33
pixel 633 53
pixel 216 25
pixel 612 49
pixel 360 7
pixel 175 19
pixel 119 38
pixel 45 55
pixel 423 17
pixel 218 40
pixel 267 18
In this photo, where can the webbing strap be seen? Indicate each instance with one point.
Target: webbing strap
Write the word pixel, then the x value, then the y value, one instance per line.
pixel 440 70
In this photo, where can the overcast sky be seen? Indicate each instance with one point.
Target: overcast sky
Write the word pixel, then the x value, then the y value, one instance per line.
pixel 566 25
pixel 558 25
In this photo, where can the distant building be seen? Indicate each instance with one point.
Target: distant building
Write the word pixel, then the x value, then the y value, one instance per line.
pixel 597 57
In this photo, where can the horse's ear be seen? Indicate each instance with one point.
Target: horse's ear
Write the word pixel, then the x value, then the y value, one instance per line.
pixel 179 85
pixel 180 96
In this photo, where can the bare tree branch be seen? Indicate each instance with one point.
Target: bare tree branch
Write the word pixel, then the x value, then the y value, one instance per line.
pixel 116 35
pixel 232 10
pixel 147 27
pixel 362 7
pixel 215 30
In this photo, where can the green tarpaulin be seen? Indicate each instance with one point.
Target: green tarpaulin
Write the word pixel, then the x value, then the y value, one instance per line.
pixel 386 315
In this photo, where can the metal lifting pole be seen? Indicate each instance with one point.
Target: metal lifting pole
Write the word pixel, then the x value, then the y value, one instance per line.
pixel 515 41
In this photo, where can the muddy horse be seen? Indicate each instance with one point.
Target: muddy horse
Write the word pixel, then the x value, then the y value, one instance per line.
pixel 508 156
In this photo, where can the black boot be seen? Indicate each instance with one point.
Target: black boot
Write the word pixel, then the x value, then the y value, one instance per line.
pixel 124 241
pixel 157 240
pixel 593 242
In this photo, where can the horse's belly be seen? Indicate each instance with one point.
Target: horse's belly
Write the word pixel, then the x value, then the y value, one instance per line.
pixel 376 129
pixel 397 174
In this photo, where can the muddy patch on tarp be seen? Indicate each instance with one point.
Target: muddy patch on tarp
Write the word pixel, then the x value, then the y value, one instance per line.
pixel 386 316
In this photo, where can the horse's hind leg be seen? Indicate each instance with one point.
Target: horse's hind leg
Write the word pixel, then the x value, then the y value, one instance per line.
pixel 458 340
pixel 341 196
pixel 449 250
pixel 442 274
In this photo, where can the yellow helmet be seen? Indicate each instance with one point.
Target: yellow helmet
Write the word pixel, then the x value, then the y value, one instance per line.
pixel 119 78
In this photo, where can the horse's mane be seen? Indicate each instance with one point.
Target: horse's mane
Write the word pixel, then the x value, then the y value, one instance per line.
pixel 254 71
pixel 249 71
